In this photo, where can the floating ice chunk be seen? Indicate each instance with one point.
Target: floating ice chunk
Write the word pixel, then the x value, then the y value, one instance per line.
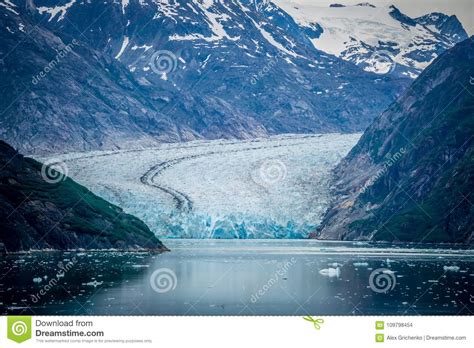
pixel 331 272
pixel 451 268
pixel 335 264
pixel 360 264
pixel 95 283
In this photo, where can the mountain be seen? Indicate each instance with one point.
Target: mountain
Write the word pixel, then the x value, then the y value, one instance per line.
pixel 380 39
pixel 411 175
pixel 82 75
pixel 40 208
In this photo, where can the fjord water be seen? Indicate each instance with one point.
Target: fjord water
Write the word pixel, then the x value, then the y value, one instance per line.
pixel 243 277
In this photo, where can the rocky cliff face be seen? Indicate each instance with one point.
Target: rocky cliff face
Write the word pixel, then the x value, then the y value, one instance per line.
pixel 81 75
pixel 40 208
pixel 411 175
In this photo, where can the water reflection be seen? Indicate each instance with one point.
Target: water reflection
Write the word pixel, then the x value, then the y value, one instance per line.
pixel 251 277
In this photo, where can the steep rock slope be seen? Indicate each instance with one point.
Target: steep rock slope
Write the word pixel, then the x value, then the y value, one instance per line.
pixel 411 175
pixel 82 75
pixel 146 71
pixel 40 208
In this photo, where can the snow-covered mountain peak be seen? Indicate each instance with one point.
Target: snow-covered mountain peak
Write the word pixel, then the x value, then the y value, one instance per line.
pixel 379 39
pixel 184 70
pixel 377 36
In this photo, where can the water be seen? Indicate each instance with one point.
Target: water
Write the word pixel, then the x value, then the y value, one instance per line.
pixel 242 277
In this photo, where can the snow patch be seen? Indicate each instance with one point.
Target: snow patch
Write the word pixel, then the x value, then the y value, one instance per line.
pixel 54 11
pixel 122 49
pixel 451 268
pixel 143 47
pixel 9 6
pixel 331 272
pixel 124 4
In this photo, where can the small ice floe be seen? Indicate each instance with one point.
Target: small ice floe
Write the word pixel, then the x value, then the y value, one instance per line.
pixel 387 271
pixel 451 268
pixel 37 280
pixel 331 272
pixel 17 307
pixel 335 264
pixel 360 264
pixel 140 266
pixel 95 283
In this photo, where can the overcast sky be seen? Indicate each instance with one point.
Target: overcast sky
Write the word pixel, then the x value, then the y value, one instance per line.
pixel 463 9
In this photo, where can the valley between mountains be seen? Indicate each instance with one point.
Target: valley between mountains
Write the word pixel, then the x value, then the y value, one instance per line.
pixel 276 187
pixel 233 119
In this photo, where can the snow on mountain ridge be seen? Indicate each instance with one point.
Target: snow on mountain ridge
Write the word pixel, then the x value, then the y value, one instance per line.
pixel 188 70
pixel 53 11
pixel 375 36
pixel 380 39
pixel 9 6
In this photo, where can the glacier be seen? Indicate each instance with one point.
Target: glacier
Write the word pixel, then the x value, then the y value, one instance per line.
pixel 276 187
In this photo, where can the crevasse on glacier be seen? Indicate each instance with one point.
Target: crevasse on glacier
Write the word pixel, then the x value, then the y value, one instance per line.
pixel 275 187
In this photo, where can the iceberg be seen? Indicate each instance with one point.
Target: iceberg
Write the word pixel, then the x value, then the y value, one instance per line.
pixel 331 272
